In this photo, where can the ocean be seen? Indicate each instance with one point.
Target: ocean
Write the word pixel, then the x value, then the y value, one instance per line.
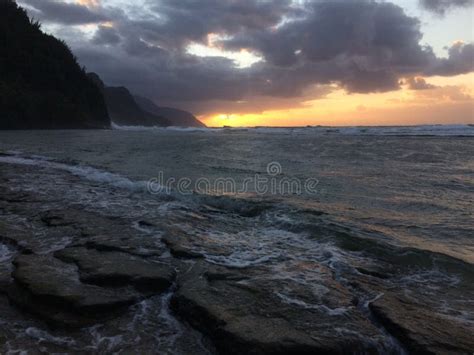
pixel 390 201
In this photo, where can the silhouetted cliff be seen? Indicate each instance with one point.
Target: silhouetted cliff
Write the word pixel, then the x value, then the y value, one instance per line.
pixel 177 118
pixel 123 109
pixel 41 84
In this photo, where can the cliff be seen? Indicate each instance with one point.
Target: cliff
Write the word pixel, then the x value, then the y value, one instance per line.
pixel 177 118
pixel 41 84
pixel 123 109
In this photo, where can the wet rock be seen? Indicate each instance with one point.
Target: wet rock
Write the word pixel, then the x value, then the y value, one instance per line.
pixel 11 196
pixel 314 212
pixel 51 288
pixel 421 330
pixel 193 246
pixel 7 253
pixel 118 269
pixel 103 233
pixel 146 224
pixel 373 273
pixel 243 208
pixel 86 222
pixel 178 248
pixel 250 315
pixel 15 237
pixel 130 244
pixel 55 221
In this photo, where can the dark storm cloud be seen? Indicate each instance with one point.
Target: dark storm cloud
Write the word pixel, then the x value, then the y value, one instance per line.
pixel 460 61
pixel 379 32
pixel 370 44
pixel 442 6
pixel 63 13
pixel 106 35
pixel 360 45
pixel 186 20
pixel 170 76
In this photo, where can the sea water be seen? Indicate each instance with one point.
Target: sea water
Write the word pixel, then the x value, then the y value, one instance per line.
pixel 377 196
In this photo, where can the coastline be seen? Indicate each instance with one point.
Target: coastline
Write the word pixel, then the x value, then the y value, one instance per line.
pixel 74 269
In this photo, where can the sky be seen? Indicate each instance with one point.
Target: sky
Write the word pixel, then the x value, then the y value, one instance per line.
pixel 281 62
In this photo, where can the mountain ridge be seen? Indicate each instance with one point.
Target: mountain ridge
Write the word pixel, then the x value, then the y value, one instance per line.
pixel 126 109
pixel 177 117
pixel 122 107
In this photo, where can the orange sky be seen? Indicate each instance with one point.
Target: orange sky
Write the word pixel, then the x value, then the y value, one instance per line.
pixel 450 102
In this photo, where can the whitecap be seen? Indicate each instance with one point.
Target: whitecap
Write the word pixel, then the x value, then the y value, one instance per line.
pixel 118 127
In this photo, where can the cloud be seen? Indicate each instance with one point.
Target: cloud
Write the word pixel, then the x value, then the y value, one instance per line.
pixel 90 3
pixel 440 7
pixel 418 83
pixel 64 13
pixel 362 46
pixel 459 61
pixel 106 35
pixel 331 29
pixel 448 93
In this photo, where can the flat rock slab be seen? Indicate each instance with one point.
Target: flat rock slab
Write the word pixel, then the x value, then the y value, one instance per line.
pixel 420 329
pixel 51 287
pixel 243 314
pixel 130 244
pixel 119 269
pixel 103 233
pixel 183 245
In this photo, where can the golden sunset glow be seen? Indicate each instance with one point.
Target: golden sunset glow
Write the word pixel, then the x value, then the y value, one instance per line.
pixel 451 100
pixel 90 3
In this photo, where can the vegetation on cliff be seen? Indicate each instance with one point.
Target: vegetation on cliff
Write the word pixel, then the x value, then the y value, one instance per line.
pixel 41 84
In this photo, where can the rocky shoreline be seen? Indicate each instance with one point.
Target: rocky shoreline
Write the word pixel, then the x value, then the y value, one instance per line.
pixel 64 269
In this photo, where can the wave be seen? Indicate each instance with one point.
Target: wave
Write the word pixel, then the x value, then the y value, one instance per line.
pixel 425 130
pixel 230 204
pixel 466 130
pixel 115 126
pixel 86 172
